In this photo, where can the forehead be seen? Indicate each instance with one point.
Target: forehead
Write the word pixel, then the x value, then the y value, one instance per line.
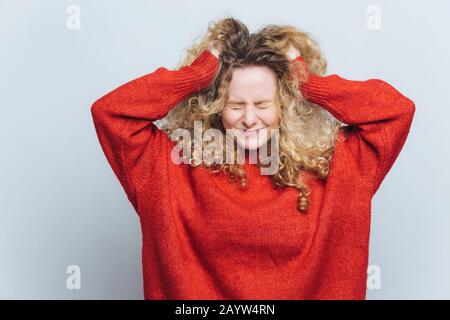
pixel 252 82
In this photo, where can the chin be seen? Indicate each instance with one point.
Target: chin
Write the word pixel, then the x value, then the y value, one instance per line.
pixel 251 143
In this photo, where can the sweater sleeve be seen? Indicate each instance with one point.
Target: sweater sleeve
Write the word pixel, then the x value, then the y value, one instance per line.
pixel 379 118
pixel 123 118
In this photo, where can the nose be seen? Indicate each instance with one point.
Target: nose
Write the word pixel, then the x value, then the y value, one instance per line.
pixel 250 118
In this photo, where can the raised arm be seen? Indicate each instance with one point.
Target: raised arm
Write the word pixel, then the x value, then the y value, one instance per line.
pixel 124 117
pixel 379 117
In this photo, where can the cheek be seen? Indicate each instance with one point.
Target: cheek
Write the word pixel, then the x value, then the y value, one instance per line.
pixel 229 119
pixel 271 118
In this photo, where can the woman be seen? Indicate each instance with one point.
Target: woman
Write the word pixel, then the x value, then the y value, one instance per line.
pixel 301 232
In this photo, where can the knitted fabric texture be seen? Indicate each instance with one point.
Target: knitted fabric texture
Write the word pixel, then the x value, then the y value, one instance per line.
pixel 205 238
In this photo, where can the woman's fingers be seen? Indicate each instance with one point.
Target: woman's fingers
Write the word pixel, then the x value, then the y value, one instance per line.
pixel 215 48
pixel 292 53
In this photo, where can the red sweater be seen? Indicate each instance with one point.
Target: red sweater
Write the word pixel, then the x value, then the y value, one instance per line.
pixel 204 238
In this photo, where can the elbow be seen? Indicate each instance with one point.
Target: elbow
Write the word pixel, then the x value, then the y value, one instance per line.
pixel 405 105
pixel 410 109
pixel 407 114
pixel 98 110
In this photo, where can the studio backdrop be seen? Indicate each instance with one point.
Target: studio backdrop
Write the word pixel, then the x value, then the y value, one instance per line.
pixel 67 229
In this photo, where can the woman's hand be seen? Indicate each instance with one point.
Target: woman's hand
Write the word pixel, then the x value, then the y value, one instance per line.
pixel 292 53
pixel 215 48
pixel 301 68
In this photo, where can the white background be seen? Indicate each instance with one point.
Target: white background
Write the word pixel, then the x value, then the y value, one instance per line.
pixel 60 203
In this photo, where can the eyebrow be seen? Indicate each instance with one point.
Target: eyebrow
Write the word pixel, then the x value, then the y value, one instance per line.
pixel 257 102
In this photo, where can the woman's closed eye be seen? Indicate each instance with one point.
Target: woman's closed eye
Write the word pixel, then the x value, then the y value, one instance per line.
pixel 234 107
pixel 259 106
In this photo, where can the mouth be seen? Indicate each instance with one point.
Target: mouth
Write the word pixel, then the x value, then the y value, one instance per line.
pixel 252 132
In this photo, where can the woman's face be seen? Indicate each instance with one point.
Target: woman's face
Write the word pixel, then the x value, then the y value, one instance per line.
pixel 252 106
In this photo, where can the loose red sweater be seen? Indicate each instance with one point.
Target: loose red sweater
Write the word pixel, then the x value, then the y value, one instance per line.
pixel 205 238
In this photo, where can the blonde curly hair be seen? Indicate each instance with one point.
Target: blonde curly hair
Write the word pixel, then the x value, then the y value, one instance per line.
pixel 307 133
